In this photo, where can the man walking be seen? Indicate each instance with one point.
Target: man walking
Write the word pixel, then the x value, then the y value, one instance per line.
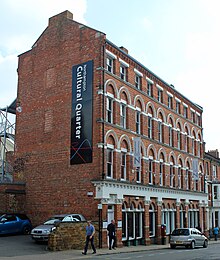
pixel 111 235
pixel 90 232
pixel 215 231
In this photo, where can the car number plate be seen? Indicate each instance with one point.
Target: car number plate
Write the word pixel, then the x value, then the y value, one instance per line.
pixel 179 242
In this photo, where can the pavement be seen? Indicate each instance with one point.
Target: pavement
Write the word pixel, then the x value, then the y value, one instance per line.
pixel 77 254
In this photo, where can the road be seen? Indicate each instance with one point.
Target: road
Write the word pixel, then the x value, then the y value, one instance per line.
pixel 24 248
pixel 210 253
pixel 20 245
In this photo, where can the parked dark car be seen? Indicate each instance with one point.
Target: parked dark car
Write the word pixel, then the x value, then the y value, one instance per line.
pixel 42 232
pixel 13 223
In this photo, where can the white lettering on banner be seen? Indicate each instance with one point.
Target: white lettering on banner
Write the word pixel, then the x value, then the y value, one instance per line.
pixel 137 152
pixel 80 84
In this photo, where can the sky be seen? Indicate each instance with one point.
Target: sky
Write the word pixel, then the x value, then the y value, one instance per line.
pixel 179 40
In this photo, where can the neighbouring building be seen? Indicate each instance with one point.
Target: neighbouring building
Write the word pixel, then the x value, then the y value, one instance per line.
pixel 102 135
pixel 212 166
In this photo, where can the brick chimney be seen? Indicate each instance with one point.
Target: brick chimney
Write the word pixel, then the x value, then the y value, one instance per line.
pixel 214 153
pixel 60 17
pixel 124 49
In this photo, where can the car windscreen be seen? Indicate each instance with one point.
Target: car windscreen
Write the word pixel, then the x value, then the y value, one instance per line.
pixel 180 232
pixel 52 221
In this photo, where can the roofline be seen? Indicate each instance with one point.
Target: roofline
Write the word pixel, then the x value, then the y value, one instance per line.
pixel 211 157
pixel 48 27
pixel 140 64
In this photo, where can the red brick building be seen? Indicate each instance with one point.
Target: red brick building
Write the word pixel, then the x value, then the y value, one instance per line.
pixel 130 149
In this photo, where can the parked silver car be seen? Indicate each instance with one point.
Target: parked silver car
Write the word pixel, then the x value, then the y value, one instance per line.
pixel 188 237
pixel 41 233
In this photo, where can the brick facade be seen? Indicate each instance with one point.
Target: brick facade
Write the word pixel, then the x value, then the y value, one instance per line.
pixel 148 197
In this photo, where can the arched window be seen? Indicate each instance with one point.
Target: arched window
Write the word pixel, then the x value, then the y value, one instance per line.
pixel 202 180
pixel 186 140
pixel 109 152
pixel 138 117
pixel 110 157
pixel 162 177
pixel 171 132
pixel 188 177
pixel 180 175
pixel 110 104
pixel 150 123
pixel 151 168
pixel 194 143
pixel 199 146
pixel 179 136
pixel 138 122
pixel 160 128
pixel 172 173
pixel 151 172
pixel 124 161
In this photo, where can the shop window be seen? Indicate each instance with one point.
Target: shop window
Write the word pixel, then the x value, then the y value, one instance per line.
pixel 152 221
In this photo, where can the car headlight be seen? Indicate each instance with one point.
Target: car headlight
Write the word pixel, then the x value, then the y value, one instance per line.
pixel 53 228
pixel 46 231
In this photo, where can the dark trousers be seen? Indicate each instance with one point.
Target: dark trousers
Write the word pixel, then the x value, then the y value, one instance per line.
pixel 216 237
pixel 112 238
pixel 87 244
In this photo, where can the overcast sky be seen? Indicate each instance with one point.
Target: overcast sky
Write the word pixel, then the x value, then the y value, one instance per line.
pixel 179 40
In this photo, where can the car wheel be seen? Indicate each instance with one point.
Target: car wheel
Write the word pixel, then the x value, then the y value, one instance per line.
pixel 172 246
pixel 26 230
pixel 193 244
pixel 205 244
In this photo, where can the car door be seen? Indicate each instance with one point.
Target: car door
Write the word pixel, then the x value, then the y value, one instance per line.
pixel 8 224
pixel 200 238
pixel 197 236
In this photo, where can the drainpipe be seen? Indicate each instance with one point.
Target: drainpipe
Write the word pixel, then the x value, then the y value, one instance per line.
pixel 103 113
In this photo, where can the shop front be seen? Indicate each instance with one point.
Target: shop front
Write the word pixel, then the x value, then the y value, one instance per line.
pixel 148 215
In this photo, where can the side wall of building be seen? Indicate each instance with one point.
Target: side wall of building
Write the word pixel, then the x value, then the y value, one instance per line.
pixel 43 128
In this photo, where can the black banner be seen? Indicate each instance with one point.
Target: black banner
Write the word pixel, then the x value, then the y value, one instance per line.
pixel 81 119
